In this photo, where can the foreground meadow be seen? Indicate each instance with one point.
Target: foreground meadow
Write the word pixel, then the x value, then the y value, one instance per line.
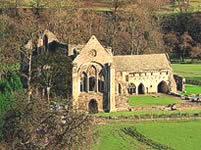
pixel 178 135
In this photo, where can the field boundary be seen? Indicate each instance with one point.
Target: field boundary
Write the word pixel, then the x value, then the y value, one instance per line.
pixel 102 120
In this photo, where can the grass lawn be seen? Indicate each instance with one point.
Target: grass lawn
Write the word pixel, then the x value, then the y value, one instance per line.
pixel 110 137
pixel 178 135
pixel 151 100
pixel 192 89
pixel 189 71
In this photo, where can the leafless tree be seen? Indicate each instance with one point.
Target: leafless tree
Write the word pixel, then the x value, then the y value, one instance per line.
pixel 38 125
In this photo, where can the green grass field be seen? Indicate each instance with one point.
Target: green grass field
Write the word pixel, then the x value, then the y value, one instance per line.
pixel 152 100
pixel 192 89
pixel 189 71
pixel 110 137
pixel 178 135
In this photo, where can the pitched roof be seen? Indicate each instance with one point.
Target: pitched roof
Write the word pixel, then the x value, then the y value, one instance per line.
pixel 141 63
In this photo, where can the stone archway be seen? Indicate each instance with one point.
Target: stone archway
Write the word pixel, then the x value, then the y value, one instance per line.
pixel 93 106
pixel 131 89
pixel 163 87
pixel 141 89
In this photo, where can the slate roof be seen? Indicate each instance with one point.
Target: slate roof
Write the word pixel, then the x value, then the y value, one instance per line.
pixel 141 63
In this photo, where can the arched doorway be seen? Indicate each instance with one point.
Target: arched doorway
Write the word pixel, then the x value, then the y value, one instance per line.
pixel 141 89
pixel 131 89
pixel 163 87
pixel 93 106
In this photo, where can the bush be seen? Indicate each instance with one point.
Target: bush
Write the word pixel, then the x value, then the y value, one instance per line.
pixel 8 84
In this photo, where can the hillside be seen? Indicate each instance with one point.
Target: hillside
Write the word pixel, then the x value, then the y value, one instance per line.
pixel 108 5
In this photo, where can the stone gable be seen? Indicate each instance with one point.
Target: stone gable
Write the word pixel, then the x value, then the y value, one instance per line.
pixel 93 51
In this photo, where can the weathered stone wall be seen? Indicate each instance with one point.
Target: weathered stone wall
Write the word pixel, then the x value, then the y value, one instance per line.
pixel 180 82
pixel 93 53
pixel 121 103
pixel 172 83
pixel 84 99
pixel 150 80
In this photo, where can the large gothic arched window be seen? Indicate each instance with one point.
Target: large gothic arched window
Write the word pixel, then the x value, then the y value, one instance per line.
pixel 101 82
pixel 83 82
pixel 92 78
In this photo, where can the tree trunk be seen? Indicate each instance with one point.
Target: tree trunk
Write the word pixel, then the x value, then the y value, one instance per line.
pixel 48 94
pixel 29 78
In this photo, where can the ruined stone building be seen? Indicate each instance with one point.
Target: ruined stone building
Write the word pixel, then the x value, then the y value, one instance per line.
pixel 102 82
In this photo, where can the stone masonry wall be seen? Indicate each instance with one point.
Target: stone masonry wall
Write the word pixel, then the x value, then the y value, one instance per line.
pixel 84 99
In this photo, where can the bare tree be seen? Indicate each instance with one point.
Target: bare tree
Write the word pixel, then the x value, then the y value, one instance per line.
pixel 38 125
pixel 142 27
pixel 196 52
pixel 185 45
pixel 26 60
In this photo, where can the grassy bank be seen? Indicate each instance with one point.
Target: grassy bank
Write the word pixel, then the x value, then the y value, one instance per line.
pixel 177 135
pixel 189 71
pixel 106 5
